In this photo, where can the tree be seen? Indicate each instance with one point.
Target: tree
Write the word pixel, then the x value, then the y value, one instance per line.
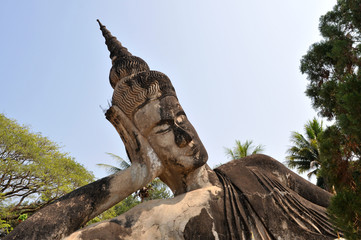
pixel 155 190
pixel 304 155
pixel 333 68
pixel 33 171
pixel 5 228
pixel 243 150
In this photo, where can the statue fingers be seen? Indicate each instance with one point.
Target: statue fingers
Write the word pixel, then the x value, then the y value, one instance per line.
pixel 125 129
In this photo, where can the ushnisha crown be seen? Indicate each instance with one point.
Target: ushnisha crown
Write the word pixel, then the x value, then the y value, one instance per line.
pixel 133 82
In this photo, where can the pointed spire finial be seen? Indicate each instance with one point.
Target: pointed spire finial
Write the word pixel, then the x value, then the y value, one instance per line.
pixel 114 46
pixel 100 24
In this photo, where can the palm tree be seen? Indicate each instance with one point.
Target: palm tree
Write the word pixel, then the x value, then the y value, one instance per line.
pixel 155 190
pixel 123 164
pixel 243 150
pixel 304 155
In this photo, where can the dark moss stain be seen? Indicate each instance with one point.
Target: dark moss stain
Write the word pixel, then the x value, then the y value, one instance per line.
pixel 219 216
pixel 129 221
pixel 119 222
pixel 137 142
pixel 199 227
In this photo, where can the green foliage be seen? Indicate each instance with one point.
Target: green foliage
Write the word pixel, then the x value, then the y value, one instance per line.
pixel 4 227
pixel 333 68
pixel 109 214
pixel 344 208
pixel 158 190
pixel 33 172
pixel 128 203
pixel 23 217
pixel 243 150
pixel 304 155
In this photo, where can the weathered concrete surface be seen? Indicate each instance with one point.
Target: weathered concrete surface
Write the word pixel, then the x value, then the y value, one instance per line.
pixel 175 218
pixel 260 199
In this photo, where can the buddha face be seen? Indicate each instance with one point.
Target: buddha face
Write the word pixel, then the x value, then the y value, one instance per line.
pixel 174 139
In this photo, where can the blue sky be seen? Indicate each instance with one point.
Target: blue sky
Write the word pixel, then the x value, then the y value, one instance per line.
pixel 234 64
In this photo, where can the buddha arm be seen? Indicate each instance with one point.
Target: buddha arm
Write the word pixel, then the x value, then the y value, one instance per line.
pixel 75 209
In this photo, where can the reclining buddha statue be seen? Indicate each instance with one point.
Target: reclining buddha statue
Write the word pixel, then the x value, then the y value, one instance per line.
pixel 255 197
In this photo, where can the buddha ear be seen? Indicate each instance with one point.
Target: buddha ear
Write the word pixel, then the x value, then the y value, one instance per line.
pixel 137 146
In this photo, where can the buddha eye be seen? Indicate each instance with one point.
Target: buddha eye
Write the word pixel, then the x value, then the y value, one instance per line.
pixel 163 128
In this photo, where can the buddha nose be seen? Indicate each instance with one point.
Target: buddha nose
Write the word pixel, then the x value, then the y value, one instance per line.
pixel 181 137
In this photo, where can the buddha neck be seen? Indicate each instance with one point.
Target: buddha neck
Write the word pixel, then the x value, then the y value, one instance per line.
pixel 201 177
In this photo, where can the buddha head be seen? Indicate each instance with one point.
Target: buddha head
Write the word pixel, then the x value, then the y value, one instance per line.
pixel 149 100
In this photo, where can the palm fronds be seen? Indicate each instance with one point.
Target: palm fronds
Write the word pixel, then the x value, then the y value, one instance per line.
pixel 243 149
pixel 123 164
pixel 304 155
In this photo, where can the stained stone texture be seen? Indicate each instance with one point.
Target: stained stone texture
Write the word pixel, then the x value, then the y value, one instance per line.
pixel 187 216
pixel 260 199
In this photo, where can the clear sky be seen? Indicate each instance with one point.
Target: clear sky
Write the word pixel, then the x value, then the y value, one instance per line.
pixel 234 64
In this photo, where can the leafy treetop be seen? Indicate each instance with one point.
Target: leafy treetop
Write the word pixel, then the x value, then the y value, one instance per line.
pixel 33 171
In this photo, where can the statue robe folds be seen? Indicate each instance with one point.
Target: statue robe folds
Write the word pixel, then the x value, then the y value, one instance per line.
pixel 265 200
